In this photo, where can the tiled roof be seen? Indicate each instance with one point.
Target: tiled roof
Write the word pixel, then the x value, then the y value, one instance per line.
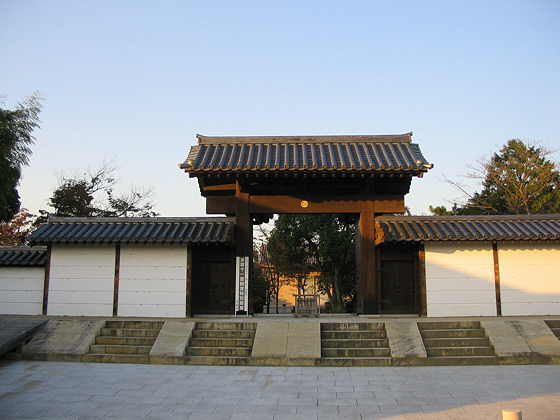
pixel 23 256
pixel 153 230
pixel 382 154
pixel 544 227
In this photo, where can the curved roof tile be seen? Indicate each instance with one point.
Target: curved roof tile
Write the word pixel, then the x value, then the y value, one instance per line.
pixel 470 228
pixel 393 153
pixel 23 256
pixel 153 230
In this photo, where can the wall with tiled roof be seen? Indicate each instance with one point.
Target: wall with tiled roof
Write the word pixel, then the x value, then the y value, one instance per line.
pixel 544 227
pixel 156 230
pixel 22 256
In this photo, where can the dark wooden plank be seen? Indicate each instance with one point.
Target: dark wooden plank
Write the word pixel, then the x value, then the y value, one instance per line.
pixel 16 331
pixel 497 286
pixel 188 296
pixel 47 280
pixel 116 279
pixel 423 303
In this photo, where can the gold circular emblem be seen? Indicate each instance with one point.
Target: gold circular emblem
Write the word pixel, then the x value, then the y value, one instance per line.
pixel 304 204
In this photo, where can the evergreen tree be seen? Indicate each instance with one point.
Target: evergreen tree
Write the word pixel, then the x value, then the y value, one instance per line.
pixel 519 179
pixel 16 139
pixel 317 243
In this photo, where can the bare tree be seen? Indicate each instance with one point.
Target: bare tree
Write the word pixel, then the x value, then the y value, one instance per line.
pixel 93 194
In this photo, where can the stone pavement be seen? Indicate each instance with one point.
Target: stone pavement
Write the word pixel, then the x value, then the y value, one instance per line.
pixel 31 389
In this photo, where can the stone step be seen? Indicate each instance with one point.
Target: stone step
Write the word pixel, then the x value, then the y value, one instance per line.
pixel 353 335
pixel 115 358
pixel 222 334
pixel 355 361
pixel 129 332
pixel 462 361
pixel 446 325
pixel 117 349
pixel 452 333
pixel 355 352
pixel 457 342
pixel 217 361
pixel 353 343
pixel 218 351
pixel 226 325
pixel 125 341
pixel 556 332
pixel 221 342
pixel 553 323
pixel 554 326
pixel 352 326
pixel 149 325
pixel 459 351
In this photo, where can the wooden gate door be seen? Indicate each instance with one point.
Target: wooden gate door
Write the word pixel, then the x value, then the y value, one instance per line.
pixel 213 285
pixel 398 281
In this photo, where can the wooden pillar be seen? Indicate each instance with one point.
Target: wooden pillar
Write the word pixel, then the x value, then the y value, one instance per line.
pixel 422 303
pixel 116 279
pixel 46 280
pixel 243 224
pixel 497 279
pixel 243 233
pixel 189 281
pixel 367 287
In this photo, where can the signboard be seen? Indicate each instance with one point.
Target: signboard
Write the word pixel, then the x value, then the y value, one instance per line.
pixel 242 286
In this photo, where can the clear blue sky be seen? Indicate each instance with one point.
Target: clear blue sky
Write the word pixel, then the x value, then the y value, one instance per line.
pixel 135 81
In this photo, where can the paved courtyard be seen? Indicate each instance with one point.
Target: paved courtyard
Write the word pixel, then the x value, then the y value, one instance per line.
pixel 82 390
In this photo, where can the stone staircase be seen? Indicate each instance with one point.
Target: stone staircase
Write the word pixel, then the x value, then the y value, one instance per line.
pixel 124 342
pixel 457 343
pixel 354 344
pixel 220 343
pixel 554 327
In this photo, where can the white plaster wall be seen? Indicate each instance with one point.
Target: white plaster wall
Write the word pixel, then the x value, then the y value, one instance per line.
pixel 81 281
pixel 152 281
pixel 530 279
pixel 460 280
pixel 21 290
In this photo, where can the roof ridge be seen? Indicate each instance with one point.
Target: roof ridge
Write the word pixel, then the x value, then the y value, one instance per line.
pixel 474 217
pixel 37 248
pixel 383 138
pixel 68 219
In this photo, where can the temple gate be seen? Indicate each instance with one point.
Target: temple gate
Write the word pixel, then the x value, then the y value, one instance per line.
pixel 355 177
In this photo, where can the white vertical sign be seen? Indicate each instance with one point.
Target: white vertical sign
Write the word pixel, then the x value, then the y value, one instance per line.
pixel 242 285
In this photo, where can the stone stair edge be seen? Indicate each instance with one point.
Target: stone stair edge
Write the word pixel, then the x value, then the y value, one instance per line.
pixel 505 358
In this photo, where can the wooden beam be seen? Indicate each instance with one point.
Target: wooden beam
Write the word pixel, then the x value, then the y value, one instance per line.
pixel 46 280
pixel 277 204
pixel 497 286
pixel 220 205
pixel 219 187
